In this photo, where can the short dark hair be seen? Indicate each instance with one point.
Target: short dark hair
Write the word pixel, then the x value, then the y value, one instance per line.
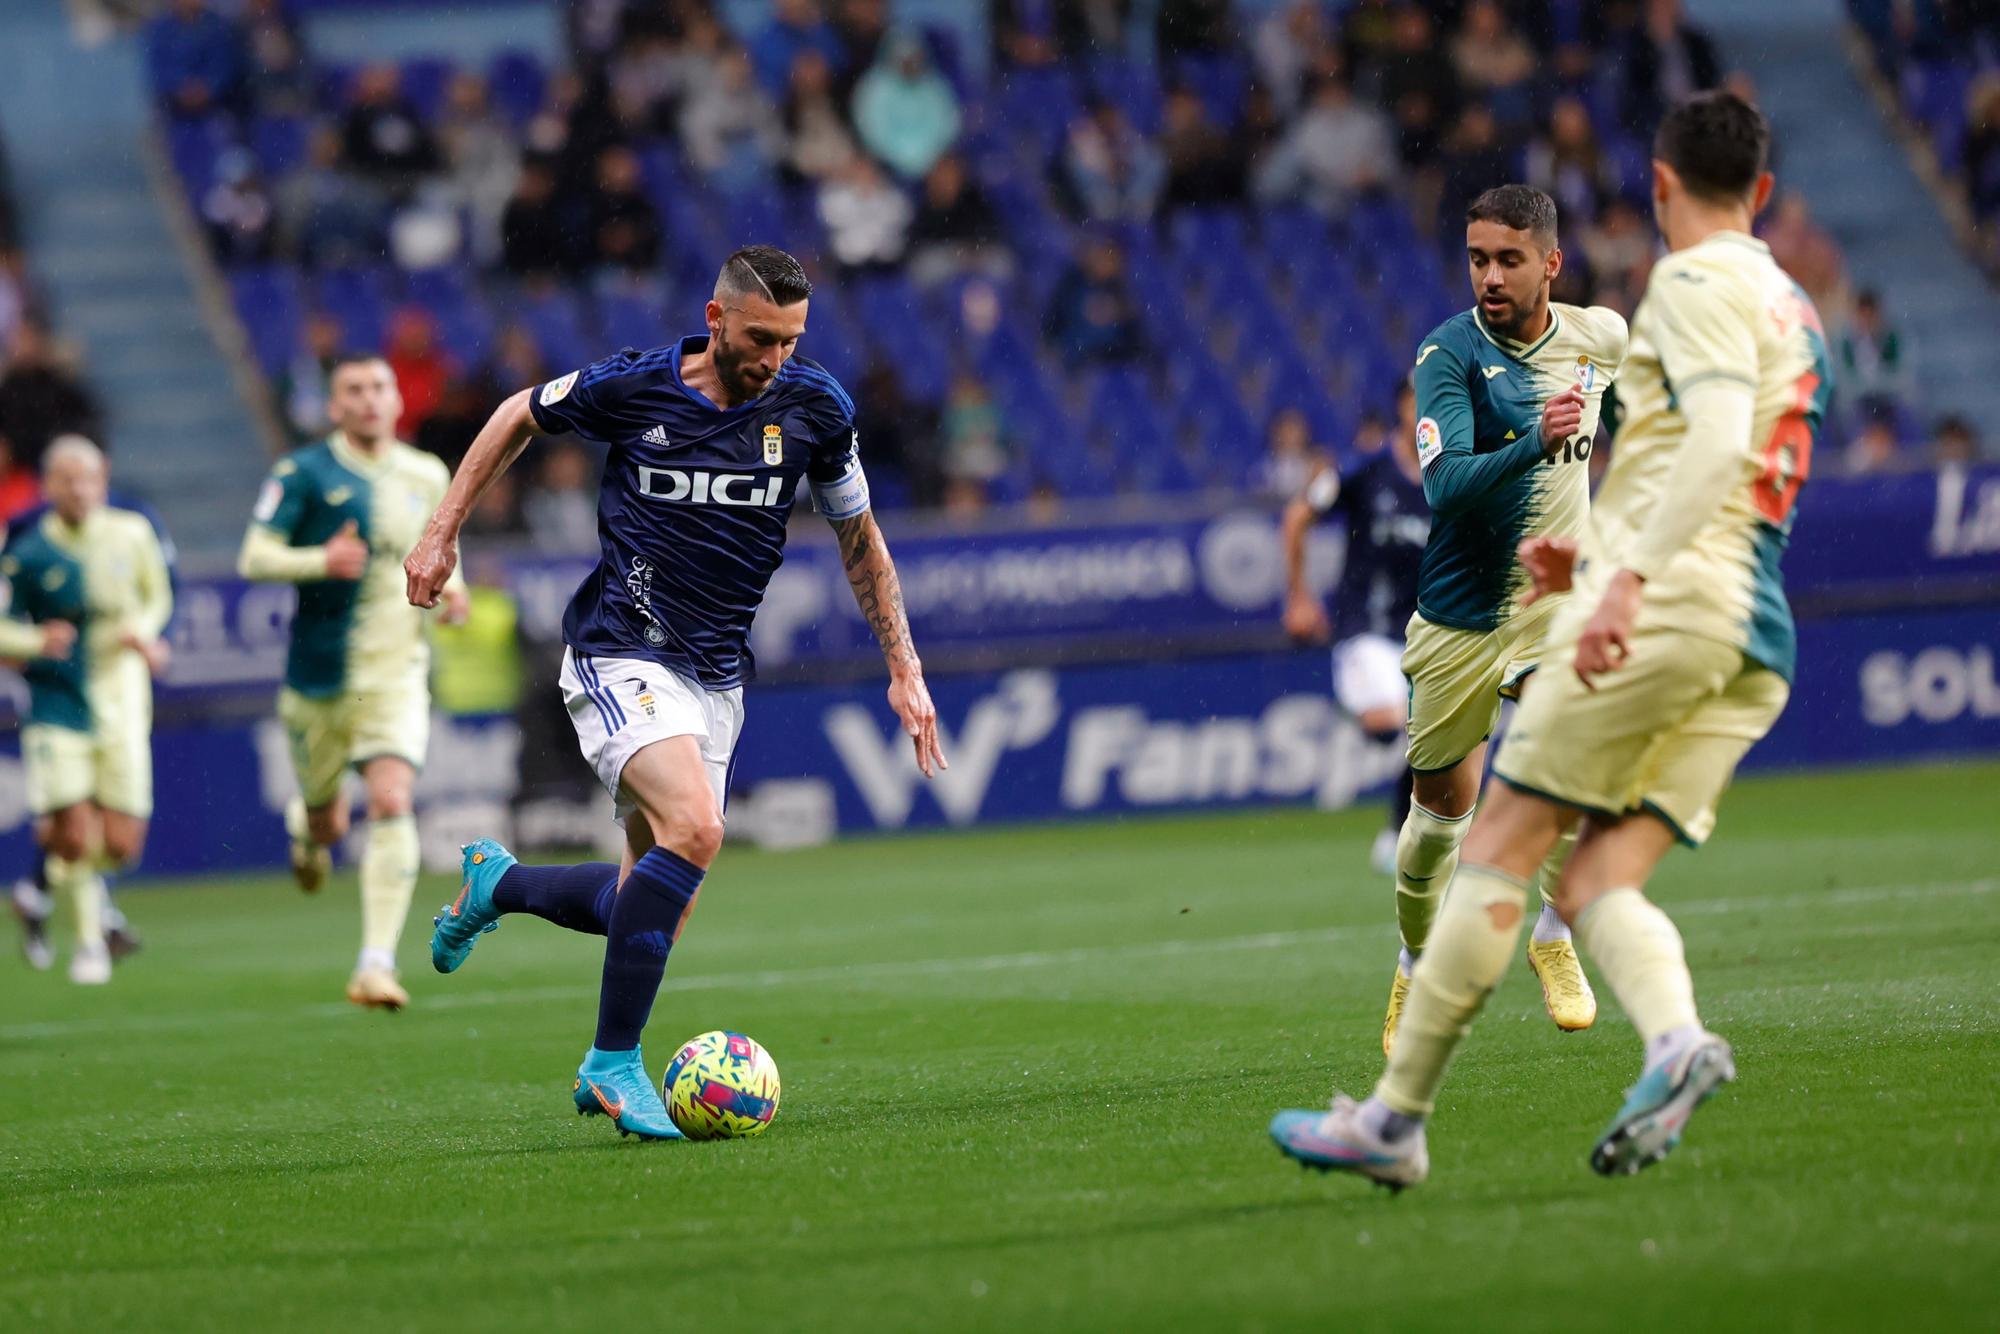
pixel 1717 143
pixel 1522 207
pixel 352 357
pixel 766 271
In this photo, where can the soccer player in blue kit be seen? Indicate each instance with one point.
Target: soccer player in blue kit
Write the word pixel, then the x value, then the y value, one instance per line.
pixel 710 440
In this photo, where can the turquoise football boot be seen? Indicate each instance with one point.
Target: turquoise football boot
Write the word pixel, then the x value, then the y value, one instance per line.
pixel 1657 1108
pixel 1336 1141
pixel 615 1084
pixel 460 923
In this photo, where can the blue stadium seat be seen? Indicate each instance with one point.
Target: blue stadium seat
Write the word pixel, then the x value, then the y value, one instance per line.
pixel 517 80
pixel 359 298
pixel 279 143
pixel 266 298
pixel 554 318
pixel 425 82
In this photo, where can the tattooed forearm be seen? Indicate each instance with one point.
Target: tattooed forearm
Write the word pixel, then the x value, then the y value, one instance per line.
pixel 877 591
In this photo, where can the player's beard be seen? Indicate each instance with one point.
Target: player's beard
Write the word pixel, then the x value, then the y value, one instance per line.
pixel 1516 317
pixel 729 366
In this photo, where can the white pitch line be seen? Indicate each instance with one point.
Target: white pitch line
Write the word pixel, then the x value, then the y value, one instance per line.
pixel 990 963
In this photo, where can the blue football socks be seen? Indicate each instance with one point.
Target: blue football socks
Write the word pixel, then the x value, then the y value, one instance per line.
pixel 576 897
pixel 645 921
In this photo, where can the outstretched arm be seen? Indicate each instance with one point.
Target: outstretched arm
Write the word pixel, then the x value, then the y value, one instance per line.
pixel 499 442
pixel 872 575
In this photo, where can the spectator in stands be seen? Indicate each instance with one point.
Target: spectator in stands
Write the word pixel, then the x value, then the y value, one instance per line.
pixel 818 140
pixel 646 77
pixel 624 225
pixel 483 158
pixel 1874 448
pixel 1289 47
pixel 1982 145
pixel 1494 62
pixel 1665 60
pixel 904 110
pixel 1953 443
pixel 331 217
pixel 1619 249
pixel 867 218
pixel 382 132
pixel 280 82
pixel 195 59
pixel 20 488
pixel 536 239
pixel 901 432
pixel 1420 91
pixel 862 26
pixel 304 387
pixel 516 362
pixel 238 212
pixel 1034 34
pixel 422 370
pixel 464 407
pixel 1805 250
pixel 1290 455
pixel 41 396
pixel 973 445
pixel 1114 173
pixel 730 130
pixel 1202 165
pixel 497 513
pixel 1368 40
pixel 1093 315
pixel 956 229
pixel 1570 165
pixel 561 509
pixel 796 27
pixel 1474 158
pixel 1874 366
pixel 1338 149
pixel 1193 28
pixel 13 292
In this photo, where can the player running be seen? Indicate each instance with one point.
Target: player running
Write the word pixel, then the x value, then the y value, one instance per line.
pixel 1381 503
pixel 711 439
pixel 1681 649
pixel 32 903
pixel 1508 395
pixel 336 518
pixel 88 742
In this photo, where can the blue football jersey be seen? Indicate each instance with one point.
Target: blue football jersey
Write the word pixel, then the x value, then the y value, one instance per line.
pixel 1388 524
pixel 693 506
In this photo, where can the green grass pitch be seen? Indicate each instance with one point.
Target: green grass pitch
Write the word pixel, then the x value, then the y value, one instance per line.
pixel 1027 1075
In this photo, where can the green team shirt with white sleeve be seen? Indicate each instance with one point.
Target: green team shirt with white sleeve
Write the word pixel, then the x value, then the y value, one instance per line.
pixel 1489 481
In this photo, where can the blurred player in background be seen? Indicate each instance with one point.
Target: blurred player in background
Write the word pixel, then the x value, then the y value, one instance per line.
pixel 33 904
pixel 1381 503
pixel 711 439
pixel 1677 653
pixel 1508 395
pixel 88 743
pixel 336 518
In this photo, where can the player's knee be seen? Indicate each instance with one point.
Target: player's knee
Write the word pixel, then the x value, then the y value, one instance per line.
pixel 388 805
pixel 68 839
pixel 695 835
pixel 124 843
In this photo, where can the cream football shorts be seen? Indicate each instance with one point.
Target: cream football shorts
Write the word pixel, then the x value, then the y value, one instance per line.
pixel 1458 679
pixel 1664 733
pixel 111 765
pixel 620 705
pixel 330 735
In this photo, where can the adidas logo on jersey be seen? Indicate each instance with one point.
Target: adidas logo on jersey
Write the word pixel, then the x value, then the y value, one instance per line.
pixel 679 486
pixel 656 436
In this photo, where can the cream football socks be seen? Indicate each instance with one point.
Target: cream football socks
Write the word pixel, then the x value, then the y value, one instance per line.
pixel 388 879
pixel 1550 925
pixel 1476 934
pixel 1639 951
pixel 1426 856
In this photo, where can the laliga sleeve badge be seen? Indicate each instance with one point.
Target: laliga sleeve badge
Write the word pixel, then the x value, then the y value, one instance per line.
pixel 556 390
pixel 1430 442
pixel 774 444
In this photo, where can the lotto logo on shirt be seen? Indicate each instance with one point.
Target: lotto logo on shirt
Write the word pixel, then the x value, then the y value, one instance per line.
pixel 682 486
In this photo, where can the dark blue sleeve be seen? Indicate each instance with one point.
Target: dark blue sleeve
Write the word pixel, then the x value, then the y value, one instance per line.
pixel 588 401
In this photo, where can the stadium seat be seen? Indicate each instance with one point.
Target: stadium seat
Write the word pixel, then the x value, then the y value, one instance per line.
pixel 517 80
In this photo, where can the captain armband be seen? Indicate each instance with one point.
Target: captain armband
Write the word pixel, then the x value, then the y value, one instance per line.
pixel 844 497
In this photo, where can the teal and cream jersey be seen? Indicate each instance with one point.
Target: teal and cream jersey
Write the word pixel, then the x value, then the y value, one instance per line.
pixel 347 635
pixel 1718 312
pixel 1488 478
pixel 42 582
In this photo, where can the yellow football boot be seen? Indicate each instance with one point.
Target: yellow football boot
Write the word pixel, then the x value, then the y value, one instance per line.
pixel 1565 990
pixel 376 988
